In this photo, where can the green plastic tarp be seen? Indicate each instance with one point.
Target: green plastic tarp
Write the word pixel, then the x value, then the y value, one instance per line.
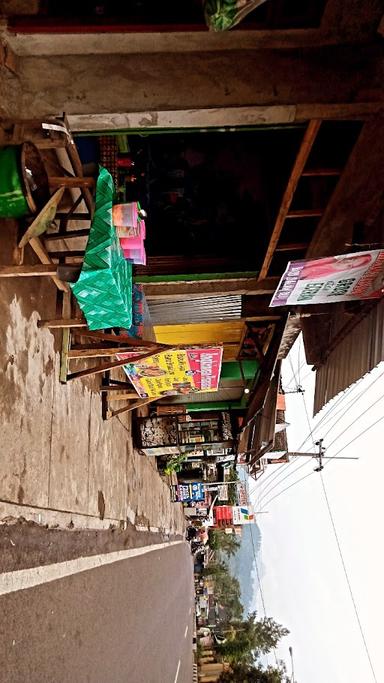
pixel 222 15
pixel 104 288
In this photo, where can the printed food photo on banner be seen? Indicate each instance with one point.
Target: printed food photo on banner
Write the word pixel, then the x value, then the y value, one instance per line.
pixel 178 371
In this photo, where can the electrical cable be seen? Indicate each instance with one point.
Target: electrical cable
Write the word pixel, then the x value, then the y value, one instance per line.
pixel 356 420
pixel 268 493
pixel 266 490
pixel 260 584
pixel 329 459
pixel 301 464
pixel 367 429
pixel 309 474
pixel 352 403
pixel 347 578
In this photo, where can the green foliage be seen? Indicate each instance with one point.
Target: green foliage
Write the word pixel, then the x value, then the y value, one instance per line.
pixel 244 673
pixel 228 544
pixel 251 638
pixel 232 488
pixel 227 592
pixel 174 464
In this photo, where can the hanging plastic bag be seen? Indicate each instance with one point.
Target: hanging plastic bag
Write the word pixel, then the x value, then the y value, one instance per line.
pixel 221 15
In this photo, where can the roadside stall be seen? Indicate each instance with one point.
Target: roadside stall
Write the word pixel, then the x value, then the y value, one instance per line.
pixel 43 186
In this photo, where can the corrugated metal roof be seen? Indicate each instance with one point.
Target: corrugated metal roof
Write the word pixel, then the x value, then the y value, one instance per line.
pixel 195 310
pixel 358 353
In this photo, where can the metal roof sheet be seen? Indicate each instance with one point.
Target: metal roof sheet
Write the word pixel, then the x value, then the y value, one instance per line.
pixel 358 353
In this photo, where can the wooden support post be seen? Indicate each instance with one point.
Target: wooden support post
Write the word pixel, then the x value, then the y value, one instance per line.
pixel 65 181
pixel 298 167
pixel 294 246
pixel 305 213
pixel 123 339
pixel 86 351
pixel 132 406
pixel 67 253
pixel 65 346
pixel 66 235
pixel 111 365
pixel 321 172
pixel 62 323
pixel 115 389
pixel 184 290
pixel 41 252
pixel 39 270
pixel 127 396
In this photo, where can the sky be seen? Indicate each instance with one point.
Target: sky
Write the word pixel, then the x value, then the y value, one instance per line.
pixel 302 577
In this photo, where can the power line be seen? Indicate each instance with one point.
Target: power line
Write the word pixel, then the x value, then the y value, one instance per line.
pixel 259 582
pixel 330 413
pixel 267 490
pixel 367 429
pixel 347 578
pixel 310 435
pixel 356 398
pixel 268 493
pixel 356 420
pixel 265 484
pixel 327 462
pixel 309 474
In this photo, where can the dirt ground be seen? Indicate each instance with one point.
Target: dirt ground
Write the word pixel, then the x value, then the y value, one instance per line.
pixel 60 462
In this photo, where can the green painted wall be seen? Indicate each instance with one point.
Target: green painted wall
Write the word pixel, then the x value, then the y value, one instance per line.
pixel 232 369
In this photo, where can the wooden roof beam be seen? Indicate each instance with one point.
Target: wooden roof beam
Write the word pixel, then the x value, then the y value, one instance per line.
pixel 180 290
pixel 297 170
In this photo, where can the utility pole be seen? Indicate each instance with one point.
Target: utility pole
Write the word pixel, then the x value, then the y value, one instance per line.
pixel 295 454
pixel 320 467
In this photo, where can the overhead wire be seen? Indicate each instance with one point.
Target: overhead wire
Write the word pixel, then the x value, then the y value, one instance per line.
pixel 347 579
pixel 328 506
pixel 358 417
pixel 309 474
pixel 303 464
pixel 329 460
pixel 259 582
pixel 351 403
pixel 268 490
pixel 367 429
pixel 328 414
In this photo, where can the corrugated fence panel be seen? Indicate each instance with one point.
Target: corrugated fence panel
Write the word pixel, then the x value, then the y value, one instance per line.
pixel 356 355
pixel 195 310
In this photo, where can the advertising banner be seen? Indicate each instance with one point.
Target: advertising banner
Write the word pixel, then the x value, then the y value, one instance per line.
pixel 180 371
pixel 242 495
pixel 332 279
pixel 222 492
pixel 188 493
pixel 242 514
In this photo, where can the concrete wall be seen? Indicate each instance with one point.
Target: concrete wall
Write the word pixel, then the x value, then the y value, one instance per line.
pixel 104 84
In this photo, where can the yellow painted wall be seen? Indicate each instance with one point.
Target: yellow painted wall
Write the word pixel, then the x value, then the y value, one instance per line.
pixel 227 332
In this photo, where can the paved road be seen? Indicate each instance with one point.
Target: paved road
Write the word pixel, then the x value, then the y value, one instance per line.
pixel 128 621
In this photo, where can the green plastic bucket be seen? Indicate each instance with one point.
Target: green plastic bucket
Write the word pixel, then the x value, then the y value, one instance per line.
pixel 23 181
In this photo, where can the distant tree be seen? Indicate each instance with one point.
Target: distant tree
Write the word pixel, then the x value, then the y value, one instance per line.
pixel 228 594
pixel 244 673
pixel 250 638
pixel 228 544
